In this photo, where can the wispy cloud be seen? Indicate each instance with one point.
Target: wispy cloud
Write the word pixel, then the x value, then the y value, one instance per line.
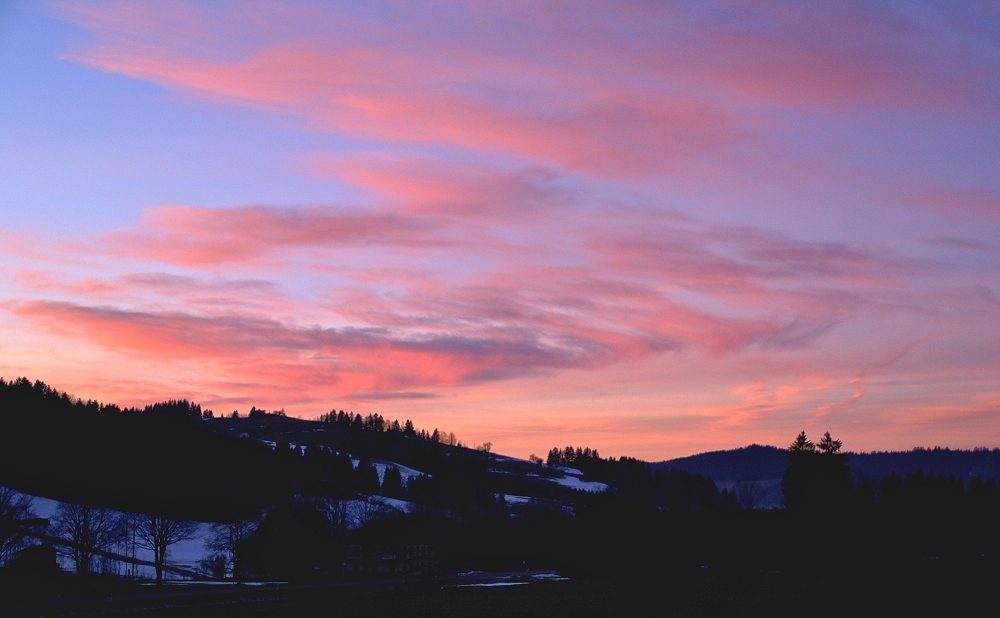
pixel 192 236
pixel 372 357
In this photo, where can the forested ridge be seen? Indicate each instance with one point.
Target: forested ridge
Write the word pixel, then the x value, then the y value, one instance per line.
pixel 769 462
pixel 325 500
pixel 160 458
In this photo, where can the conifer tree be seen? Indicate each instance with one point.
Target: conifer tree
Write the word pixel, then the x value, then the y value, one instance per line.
pixel 392 483
pixel 828 445
pixel 802 444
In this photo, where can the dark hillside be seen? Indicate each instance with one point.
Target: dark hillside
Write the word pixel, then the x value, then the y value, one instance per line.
pixel 161 459
pixel 961 464
pixel 756 462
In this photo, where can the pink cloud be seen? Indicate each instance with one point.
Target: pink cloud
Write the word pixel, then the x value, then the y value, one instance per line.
pixel 655 283
pixel 634 97
pixel 838 56
pixel 961 202
pixel 966 244
pixel 415 90
pixel 159 289
pixel 751 267
pixel 468 190
pixel 195 236
pixel 370 357
pixel 512 320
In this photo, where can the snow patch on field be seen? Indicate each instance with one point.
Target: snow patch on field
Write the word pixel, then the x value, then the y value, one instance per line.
pixel 574 481
pixel 190 552
pixel 482 579
pixel 380 466
pixel 44 507
pixel 486 585
pixel 404 506
pixel 185 554
pixel 567 470
pixel 579 484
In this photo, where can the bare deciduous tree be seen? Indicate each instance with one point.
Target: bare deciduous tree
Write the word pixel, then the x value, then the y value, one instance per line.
pixel 336 511
pixel 86 530
pixel 229 539
pixel 749 493
pixel 349 514
pixel 15 513
pixel 157 534
pixel 364 509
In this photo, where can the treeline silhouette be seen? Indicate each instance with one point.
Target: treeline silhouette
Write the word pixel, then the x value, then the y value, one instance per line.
pixel 338 483
pixel 913 518
pixel 375 423
pixel 160 458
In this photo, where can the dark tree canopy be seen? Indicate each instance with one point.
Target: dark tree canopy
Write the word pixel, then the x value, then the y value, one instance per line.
pixel 392 483
pixel 162 458
pixel 816 481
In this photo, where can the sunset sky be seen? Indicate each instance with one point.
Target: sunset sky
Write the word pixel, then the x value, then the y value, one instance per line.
pixel 651 228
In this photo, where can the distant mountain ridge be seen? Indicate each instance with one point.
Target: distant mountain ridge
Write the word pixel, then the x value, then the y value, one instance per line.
pixel 758 462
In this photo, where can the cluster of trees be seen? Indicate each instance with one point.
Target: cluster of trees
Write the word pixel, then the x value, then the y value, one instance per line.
pixel 817 475
pixel 325 471
pixel 817 478
pixel 376 423
pixel 349 481
pixel 258 413
pixel 93 537
pixel 914 517
pixel 23 388
pixel 570 457
pixel 175 409
pixel 624 472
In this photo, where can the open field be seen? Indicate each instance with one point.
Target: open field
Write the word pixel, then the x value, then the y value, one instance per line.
pixel 699 594
pixel 756 594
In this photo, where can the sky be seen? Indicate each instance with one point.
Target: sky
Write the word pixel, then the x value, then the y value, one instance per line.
pixel 650 228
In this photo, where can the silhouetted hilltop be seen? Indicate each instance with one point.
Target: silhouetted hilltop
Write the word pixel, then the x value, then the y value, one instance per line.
pixel 961 464
pixel 173 458
pixel 161 458
pixel 749 462
pixel 756 462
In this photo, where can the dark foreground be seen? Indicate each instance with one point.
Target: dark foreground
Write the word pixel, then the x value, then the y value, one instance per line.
pixel 930 588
